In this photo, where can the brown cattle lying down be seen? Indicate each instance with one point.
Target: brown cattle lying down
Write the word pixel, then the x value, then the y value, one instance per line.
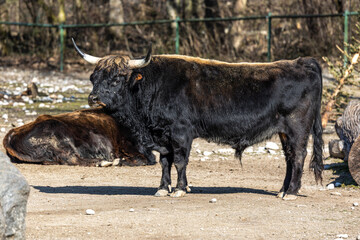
pixel 84 137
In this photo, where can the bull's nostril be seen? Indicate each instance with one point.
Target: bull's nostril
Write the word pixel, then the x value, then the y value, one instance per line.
pixel 93 99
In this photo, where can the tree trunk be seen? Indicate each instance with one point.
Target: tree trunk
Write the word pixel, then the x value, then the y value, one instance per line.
pixel 116 15
pixel 237 26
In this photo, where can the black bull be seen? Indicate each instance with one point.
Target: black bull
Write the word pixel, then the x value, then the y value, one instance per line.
pixel 169 100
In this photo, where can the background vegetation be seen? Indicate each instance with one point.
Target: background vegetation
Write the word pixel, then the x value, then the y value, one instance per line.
pixel 231 41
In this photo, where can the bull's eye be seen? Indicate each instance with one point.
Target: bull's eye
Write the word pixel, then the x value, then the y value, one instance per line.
pixel 116 81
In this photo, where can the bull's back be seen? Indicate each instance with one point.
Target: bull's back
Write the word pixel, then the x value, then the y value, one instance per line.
pixel 245 100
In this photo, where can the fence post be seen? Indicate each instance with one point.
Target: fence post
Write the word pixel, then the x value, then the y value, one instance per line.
pixel 177 37
pixel 61 31
pixel 268 17
pixel 346 35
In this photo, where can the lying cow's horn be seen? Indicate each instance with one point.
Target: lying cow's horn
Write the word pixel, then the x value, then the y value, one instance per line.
pixel 140 63
pixel 86 57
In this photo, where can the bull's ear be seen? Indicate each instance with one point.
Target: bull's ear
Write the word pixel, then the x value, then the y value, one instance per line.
pixel 136 78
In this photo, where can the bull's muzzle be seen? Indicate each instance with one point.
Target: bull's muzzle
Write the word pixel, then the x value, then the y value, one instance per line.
pixel 94 100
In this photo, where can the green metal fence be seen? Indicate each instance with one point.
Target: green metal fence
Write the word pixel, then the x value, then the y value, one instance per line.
pixel 177 21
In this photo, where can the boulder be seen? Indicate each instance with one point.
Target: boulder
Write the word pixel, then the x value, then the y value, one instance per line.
pixel 336 148
pixel 348 126
pixel 14 193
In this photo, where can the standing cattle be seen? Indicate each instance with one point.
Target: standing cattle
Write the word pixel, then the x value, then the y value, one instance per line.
pixel 84 137
pixel 169 100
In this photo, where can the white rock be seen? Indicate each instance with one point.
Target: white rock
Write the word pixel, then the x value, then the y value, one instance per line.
pixel 198 151
pixel 330 186
pixel 85 106
pixel 226 151
pixel 90 212
pixel 2 129
pixel 41 105
pixel 19 120
pixel 261 150
pixel 203 159
pixel 31 102
pixel 249 150
pixel 106 164
pixel 131 210
pixel 5 116
pixel 337 184
pixel 271 145
pixel 116 162
pixel 213 200
pixel 207 153
pixel 335 193
pixel 342 236
pixel 355 204
pixel 271 151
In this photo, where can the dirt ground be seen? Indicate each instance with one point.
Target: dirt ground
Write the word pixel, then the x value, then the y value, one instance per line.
pixel 246 206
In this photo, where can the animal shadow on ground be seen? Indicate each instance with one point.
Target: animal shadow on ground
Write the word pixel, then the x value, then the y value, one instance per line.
pixel 126 190
pixel 341 173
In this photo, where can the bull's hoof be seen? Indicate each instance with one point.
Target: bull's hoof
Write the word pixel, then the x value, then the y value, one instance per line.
pixel 188 189
pixel 289 197
pixel 161 193
pixel 178 193
pixel 280 195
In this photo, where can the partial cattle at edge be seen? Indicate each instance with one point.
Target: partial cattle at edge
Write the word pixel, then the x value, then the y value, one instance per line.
pixel 84 137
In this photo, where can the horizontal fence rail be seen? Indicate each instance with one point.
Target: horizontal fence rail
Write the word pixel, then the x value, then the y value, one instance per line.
pixel 62 26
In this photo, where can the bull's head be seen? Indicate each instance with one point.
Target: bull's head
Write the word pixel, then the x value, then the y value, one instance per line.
pixel 112 76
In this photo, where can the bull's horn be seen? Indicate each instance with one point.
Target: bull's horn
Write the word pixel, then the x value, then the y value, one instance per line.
pixel 86 57
pixel 140 63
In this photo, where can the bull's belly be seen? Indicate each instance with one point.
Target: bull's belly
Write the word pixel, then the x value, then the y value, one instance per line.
pixel 240 137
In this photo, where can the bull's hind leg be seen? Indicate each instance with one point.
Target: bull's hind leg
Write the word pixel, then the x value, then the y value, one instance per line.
pixel 181 146
pixel 287 153
pixel 166 162
pixel 295 166
pixel 294 144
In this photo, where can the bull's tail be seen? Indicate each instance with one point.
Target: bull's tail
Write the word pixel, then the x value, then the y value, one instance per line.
pixel 316 162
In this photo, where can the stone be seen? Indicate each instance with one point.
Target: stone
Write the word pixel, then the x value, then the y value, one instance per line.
pixel 335 193
pixel 272 146
pixel 330 186
pixel 90 212
pixel 342 236
pixel 106 164
pixel 226 151
pixel 14 193
pixel 336 148
pixel 207 153
pixel 116 162
pixel 355 204
pixel 131 210
pixel 213 200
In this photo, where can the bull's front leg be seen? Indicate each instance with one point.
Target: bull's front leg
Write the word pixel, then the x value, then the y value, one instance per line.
pixel 166 162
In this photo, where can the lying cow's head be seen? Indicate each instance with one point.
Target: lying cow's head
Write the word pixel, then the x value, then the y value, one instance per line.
pixel 112 77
